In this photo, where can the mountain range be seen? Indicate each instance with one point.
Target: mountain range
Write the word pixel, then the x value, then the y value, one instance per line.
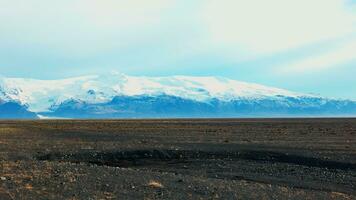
pixel 116 95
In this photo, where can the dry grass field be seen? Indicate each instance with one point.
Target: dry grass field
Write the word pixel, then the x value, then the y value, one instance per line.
pixel 178 159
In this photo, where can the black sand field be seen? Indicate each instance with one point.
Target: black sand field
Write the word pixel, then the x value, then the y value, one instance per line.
pixel 178 159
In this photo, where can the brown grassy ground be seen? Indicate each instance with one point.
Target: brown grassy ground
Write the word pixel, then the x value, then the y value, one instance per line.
pixel 178 159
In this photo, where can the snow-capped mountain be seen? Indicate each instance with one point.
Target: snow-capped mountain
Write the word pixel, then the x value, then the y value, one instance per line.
pixel 42 95
pixel 119 95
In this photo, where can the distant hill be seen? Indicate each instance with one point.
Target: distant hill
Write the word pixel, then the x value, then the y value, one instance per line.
pixel 117 95
pixel 13 110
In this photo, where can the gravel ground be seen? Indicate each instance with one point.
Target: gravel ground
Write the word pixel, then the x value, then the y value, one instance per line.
pixel 178 159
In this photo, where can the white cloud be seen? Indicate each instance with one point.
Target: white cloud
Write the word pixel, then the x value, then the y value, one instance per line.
pixel 79 26
pixel 89 12
pixel 265 27
pixel 122 13
pixel 227 29
pixel 342 54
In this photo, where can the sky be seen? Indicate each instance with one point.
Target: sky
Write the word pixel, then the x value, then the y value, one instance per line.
pixel 300 45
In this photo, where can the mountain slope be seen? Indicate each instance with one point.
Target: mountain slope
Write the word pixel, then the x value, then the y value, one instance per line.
pixel 13 110
pixel 40 95
pixel 118 95
pixel 172 106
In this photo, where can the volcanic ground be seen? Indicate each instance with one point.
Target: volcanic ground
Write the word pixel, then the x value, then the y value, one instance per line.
pixel 178 159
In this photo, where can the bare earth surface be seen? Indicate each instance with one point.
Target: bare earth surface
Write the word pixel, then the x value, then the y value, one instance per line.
pixel 178 159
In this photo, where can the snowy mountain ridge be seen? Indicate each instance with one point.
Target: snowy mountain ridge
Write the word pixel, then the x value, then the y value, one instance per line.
pixel 42 95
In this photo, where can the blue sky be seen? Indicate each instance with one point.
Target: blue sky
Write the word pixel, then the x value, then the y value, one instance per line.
pixel 301 45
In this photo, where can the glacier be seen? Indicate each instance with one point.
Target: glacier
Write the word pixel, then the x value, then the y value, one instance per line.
pixel 116 95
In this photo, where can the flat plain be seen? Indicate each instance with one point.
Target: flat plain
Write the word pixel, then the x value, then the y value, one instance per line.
pixel 178 159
